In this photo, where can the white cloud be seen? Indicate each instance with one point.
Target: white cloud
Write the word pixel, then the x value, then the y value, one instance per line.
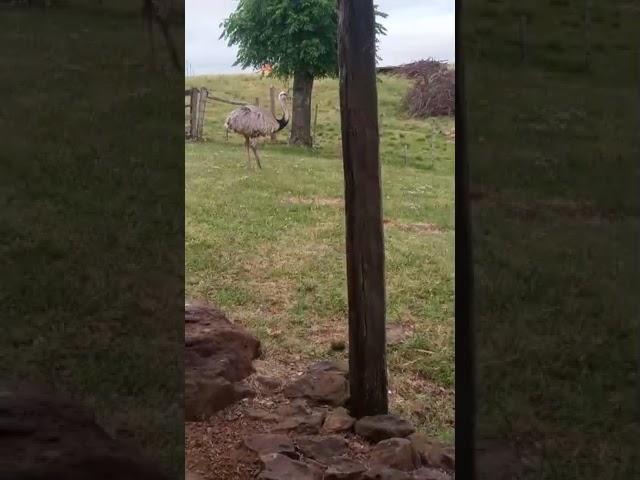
pixel 413 32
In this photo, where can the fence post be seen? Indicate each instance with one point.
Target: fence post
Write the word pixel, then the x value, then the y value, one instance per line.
pixel 363 208
pixel 202 106
pixel 195 96
pixel 315 124
pixel 272 101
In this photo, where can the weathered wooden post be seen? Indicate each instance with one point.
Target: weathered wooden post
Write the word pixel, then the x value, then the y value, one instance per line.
pixel 464 363
pixel 315 125
pixel 272 101
pixel 202 106
pixel 363 208
pixel 195 99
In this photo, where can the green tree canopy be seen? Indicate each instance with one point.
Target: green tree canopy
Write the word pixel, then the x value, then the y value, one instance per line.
pixel 291 35
pixel 298 38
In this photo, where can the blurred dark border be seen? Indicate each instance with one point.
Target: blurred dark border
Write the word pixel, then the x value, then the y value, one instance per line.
pixel 547 139
pixel 92 226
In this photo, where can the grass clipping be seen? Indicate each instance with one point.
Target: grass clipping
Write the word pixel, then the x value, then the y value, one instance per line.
pixel 433 93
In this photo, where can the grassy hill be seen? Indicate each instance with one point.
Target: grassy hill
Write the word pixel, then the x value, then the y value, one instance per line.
pixel 268 246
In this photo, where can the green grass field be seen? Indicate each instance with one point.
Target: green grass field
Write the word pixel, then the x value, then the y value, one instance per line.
pixel 268 246
pixel 90 229
pixel 554 167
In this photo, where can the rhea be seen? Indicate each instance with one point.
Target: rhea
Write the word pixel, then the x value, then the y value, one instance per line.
pixel 253 123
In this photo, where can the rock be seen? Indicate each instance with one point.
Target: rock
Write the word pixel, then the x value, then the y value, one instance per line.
pixel 207 395
pixel 449 458
pixel 335 366
pixel 384 473
pixel 218 356
pixel 381 427
pixel 266 443
pixel 344 469
pixel 338 421
pixel 297 407
pixel 259 414
pixel 270 383
pixel 396 453
pixel 321 386
pixel 45 435
pixel 432 452
pixel 430 474
pixel 304 424
pixel 281 467
pixel 322 448
pixel 192 476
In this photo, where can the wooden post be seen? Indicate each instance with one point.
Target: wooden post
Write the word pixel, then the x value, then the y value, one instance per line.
pixel 363 208
pixel 272 101
pixel 465 406
pixel 523 38
pixel 202 106
pixel 195 96
pixel 315 125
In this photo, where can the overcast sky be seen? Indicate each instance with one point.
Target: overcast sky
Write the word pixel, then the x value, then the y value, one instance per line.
pixel 415 29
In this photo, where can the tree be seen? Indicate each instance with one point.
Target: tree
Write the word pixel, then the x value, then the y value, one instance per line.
pixel 298 38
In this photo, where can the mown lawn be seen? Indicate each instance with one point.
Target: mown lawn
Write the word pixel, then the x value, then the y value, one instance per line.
pixel 268 246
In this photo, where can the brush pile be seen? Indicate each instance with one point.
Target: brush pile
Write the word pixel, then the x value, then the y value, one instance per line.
pixel 433 92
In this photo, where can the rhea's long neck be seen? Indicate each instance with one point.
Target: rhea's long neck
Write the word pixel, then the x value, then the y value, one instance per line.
pixel 285 112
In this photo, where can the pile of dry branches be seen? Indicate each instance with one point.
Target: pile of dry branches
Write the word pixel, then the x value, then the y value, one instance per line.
pixel 433 93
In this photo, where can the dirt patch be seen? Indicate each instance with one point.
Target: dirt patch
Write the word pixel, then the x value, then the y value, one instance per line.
pixel 425 228
pixel 317 201
pixel 216 448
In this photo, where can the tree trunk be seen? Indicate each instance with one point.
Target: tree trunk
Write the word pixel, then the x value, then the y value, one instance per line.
pixel 301 114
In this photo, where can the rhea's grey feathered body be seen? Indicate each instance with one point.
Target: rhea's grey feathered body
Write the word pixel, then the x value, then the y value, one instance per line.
pixel 253 122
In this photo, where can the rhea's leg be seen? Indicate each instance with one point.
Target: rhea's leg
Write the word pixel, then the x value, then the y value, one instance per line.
pixel 254 147
pixel 246 146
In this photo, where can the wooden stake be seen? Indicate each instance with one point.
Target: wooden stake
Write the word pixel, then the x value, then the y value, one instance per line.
pixel 202 106
pixel 315 124
pixel 363 208
pixel 195 97
pixel 272 101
